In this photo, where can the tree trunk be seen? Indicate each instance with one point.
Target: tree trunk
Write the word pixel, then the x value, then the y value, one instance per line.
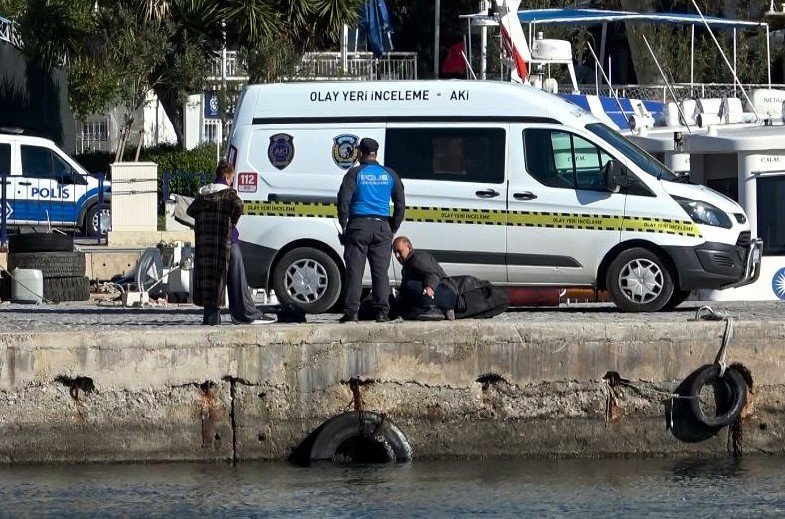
pixel 170 100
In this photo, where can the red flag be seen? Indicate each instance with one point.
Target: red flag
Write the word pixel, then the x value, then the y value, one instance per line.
pixel 454 62
pixel 520 64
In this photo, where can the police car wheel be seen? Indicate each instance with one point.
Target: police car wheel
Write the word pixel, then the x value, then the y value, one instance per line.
pixel 639 281
pixel 92 218
pixel 309 278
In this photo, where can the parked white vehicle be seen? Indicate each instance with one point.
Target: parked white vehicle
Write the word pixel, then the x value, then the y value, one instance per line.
pixel 504 182
pixel 45 187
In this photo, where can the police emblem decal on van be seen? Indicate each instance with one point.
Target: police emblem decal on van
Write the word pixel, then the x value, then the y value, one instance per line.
pixel 345 152
pixel 281 150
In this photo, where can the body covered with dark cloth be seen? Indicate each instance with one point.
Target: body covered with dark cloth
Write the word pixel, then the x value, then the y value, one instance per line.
pixel 215 212
pixel 477 298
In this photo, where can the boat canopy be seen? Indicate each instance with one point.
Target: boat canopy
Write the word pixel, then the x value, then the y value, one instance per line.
pixel 571 16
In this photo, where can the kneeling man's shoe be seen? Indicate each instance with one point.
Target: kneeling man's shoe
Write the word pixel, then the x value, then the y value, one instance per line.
pixel 348 318
pixel 382 317
pixel 450 314
pixel 431 314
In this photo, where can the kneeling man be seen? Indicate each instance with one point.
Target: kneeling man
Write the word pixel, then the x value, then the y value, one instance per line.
pixel 423 296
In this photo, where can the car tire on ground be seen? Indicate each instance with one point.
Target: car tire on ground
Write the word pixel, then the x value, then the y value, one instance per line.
pixel 5 287
pixel 639 281
pixel 678 297
pixel 40 242
pixel 90 227
pixel 75 288
pixel 309 278
pixel 51 264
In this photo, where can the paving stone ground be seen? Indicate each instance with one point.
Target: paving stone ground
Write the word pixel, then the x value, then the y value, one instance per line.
pixel 97 315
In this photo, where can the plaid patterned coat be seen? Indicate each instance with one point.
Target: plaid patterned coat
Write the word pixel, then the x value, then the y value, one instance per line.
pixel 215 211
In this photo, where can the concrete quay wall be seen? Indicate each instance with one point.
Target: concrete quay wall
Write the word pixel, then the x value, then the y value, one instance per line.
pixel 251 393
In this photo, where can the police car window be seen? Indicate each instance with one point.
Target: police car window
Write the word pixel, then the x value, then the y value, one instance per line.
pixel 450 154
pixel 38 162
pixel 5 159
pixel 564 160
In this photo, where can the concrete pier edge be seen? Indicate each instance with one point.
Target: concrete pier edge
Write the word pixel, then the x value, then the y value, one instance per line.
pixel 253 393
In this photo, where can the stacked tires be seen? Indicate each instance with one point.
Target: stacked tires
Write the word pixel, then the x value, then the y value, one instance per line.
pixel 53 254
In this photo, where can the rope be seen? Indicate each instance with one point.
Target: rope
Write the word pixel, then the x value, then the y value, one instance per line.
pixel 709 314
pixel 705 313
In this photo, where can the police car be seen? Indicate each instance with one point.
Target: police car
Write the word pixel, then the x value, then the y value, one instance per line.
pixel 44 186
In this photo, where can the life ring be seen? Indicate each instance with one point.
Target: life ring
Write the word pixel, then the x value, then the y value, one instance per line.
pixel 730 394
pixel 338 430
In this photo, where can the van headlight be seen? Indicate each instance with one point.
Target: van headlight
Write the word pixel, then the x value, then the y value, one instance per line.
pixel 705 213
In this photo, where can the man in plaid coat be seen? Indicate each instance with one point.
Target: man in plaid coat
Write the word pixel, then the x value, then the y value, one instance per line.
pixel 218 261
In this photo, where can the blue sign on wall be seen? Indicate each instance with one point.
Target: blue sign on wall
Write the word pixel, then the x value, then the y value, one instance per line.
pixel 778 283
pixel 211 106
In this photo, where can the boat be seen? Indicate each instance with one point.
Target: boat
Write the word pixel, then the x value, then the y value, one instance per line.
pixel 733 145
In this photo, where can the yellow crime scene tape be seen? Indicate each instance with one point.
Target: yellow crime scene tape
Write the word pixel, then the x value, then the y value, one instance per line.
pixel 551 220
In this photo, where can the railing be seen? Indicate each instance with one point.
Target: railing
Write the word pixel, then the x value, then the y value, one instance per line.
pixel 357 66
pixel 330 65
pixel 93 136
pixel 212 131
pixel 235 68
pixel 186 184
pixel 682 90
pixel 45 203
pixel 9 32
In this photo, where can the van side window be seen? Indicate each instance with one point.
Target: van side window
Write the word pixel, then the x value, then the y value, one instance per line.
pixel 451 154
pixel 39 162
pixel 561 159
pixel 5 159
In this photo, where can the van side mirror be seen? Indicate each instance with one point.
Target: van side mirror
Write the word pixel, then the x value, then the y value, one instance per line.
pixel 615 176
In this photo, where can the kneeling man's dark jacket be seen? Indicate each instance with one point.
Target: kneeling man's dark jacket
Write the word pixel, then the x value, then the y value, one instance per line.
pixel 421 266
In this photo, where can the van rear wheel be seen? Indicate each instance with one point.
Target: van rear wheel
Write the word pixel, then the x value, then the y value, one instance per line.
pixel 639 281
pixel 309 278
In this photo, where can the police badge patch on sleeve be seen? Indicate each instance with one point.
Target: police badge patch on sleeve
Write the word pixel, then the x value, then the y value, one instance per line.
pixel 281 150
pixel 345 152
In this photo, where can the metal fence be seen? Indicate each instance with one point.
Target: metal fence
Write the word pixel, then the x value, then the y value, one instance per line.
pixel 44 204
pixel 57 207
pixel 358 66
pixel 681 90
pixel 186 184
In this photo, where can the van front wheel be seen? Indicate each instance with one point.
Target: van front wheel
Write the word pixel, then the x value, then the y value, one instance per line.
pixel 309 278
pixel 639 281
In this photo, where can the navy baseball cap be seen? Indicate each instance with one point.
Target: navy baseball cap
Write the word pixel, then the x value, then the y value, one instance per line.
pixel 368 145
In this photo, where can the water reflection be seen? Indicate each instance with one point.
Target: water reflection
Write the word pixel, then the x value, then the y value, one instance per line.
pixel 750 487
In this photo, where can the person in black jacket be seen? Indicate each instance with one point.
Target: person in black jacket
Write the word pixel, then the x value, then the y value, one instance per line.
pixel 367 228
pixel 423 294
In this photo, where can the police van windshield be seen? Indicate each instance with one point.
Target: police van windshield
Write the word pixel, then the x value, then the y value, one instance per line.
pixel 641 159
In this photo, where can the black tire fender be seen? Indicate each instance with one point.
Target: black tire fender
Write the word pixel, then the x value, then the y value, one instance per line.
pixel 51 264
pixel 40 242
pixel 345 426
pixel 730 392
pixel 59 290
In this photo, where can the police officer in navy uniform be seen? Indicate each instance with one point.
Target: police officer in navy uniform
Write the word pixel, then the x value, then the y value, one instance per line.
pixel 368 229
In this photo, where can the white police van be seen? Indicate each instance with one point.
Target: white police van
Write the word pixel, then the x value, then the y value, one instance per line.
pixel 44 186
pixel 504 182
